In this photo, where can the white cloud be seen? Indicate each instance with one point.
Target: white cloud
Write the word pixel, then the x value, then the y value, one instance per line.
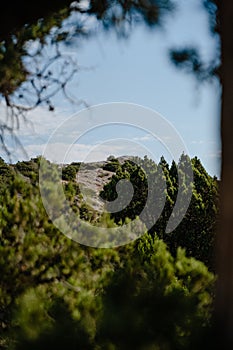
pixel 64 153
pixel 146 137
pixel 202 142
pixel 216 155
pixel 37 122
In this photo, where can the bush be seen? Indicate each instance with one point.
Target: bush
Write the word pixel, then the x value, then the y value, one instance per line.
pixel 69 173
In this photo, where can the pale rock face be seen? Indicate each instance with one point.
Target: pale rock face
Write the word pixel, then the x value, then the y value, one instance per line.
pixel 91 179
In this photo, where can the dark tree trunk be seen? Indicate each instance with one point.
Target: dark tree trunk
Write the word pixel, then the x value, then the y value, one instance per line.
pixel 224 297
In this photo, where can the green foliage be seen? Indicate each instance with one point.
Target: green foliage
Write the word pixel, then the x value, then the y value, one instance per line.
pixel 135 174
pixel 56 293
pixel 196 232
pixel 111 166
pixel 69 173
pixel 155 301
pixel 6 175
pixel 13 71
pixel 29 169
pixel 39 266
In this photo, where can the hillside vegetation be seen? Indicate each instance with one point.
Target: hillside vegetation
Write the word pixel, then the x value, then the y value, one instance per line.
pixel 156 292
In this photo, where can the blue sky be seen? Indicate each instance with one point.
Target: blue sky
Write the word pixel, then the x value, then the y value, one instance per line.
pixel 137 70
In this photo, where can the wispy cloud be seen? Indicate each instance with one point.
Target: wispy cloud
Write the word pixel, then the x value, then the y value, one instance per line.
pixel 146 137
pixel 216 155
pixel 202 142
pixel 64 153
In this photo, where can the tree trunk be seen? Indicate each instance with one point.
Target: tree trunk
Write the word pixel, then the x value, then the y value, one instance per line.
pixel 224 247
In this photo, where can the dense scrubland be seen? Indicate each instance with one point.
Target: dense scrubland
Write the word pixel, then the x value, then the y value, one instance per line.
pixel 156 292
